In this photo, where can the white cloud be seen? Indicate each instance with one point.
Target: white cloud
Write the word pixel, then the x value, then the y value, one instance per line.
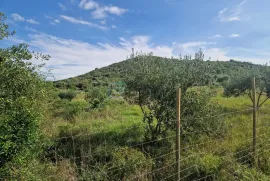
pixel 189 48
pixel 234 14
pixel 234 35
pixel 72 57
pixel 115 10
pixel 57 21
pixel 101 12
pixel 32 21
pixel 48 17
pixel 77 21
pixel 31 29
pixel 216 36
pixel 63 7
pixel 103 22
pixel 17 17
pixel 113 26
pixel 242 3
pixel 87 5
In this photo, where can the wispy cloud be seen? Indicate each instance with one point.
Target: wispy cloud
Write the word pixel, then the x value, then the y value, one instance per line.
pixel 233 14
pixel 77 21
pixel 83 56
pixel 99 11
pixel 62 6
pixel 215 36
pixel 234 35
pixel 189 48
pixel 17 17
pixel 27 28
pixel 48 17
pixel 54 21
pixel 242 3
pixel 103 22
pixel 113 26
pixel 32 21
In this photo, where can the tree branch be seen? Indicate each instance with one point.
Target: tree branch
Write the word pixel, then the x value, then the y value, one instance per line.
pixel 263 102
pixel 249 95
pixel 259 97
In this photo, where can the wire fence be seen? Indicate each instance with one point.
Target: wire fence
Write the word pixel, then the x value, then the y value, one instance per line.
pixel 218 153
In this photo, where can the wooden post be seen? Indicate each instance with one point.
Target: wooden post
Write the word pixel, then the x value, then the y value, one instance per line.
pixel 178 118
pixel 254 117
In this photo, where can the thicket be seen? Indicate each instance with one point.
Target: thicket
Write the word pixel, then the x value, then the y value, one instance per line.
pixel 23 95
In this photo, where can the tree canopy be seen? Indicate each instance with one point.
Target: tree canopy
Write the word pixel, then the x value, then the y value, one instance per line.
pixel 241 84
pixel 152 82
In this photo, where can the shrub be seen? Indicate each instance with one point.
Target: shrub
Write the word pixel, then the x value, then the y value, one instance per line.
pixel 222 78
pixel 244 154
pixel 69 95
pixel 23 92
pixel 203 166
pixel 73 109
pixel 128 159
pixel 96 96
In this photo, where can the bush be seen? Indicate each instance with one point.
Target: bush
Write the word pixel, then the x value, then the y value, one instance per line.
pixel 128 159
pixel 69 95
pixel 96 96
pixel 198 114
pixel 203 166
pixel 222 78
pixel 23 92
pixel 73 109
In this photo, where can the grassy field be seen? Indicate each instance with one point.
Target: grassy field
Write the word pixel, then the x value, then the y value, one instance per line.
pixel 108 144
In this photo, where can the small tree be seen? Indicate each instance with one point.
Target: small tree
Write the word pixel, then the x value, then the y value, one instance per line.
pixel 240 84
pixel 152 84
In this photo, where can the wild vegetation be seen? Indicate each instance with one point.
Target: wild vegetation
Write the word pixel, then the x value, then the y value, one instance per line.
pixel 118 122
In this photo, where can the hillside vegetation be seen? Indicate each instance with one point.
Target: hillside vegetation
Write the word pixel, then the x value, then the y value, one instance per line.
pixel 220 73
pixel 119 122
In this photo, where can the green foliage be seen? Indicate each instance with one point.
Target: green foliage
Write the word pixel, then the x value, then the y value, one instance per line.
pixel 240 83
pixel 206 165
pixel 152 84
pixel 115 73
pixel 198 114
pixel 69 95
pixel 222 78
pixel 23 92
pixel 69 110
pixel 128 158
pixel 4 33
pixel 96 96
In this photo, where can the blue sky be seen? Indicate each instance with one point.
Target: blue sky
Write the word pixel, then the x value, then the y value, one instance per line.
pixel 82 35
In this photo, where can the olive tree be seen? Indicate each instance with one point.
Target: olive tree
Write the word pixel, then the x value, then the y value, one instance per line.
pixel 22 93
pixel 151 83
pixel 241 84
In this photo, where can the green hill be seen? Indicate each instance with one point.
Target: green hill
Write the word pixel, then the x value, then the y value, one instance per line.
pixel 221 71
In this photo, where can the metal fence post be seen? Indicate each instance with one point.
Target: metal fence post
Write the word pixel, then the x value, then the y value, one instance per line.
pixel 178 119
pixel 254 117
